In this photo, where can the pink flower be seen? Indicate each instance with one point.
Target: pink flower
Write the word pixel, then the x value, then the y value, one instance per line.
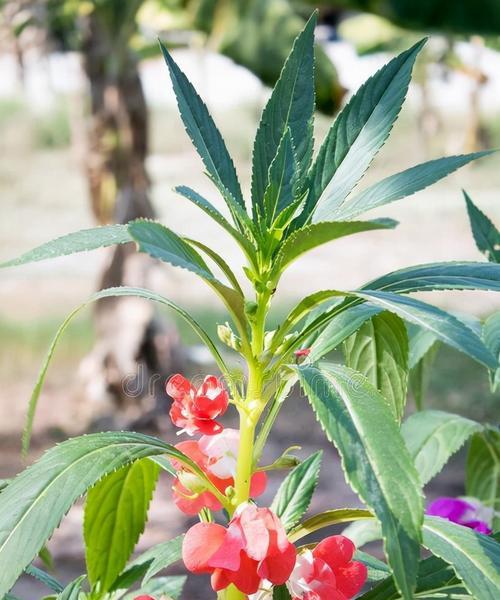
pixel 328 572
pixel 468 512
pixel 195 410
pixel 144 598
pixel 253 547
pixel 302 353
pixel 216 456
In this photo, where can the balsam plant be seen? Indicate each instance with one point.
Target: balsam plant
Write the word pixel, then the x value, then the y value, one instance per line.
pixel 298 202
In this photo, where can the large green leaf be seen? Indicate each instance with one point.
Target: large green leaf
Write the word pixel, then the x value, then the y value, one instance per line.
pixel 475 557
pixel 32 506
pixel 110 293
pixel 486 235
pixel 44 578
pixel 160 242
pixel 340 327
pixel 311 236
pixel 205 136
pixel 423 351
pixel 491 337
pixel 444 326
pixel 483 471
pixel 290 106
pixel 357 419
pixel 164 554
pixel 115 516
pixel 357 135
pixel 402 185
pixel 435 577
pixel 295 493
pixel 440 276
pixel 79 241
pixel 282 180
pixel 379 350
pixel 433 436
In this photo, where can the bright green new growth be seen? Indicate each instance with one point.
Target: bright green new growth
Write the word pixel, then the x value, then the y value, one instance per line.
pixel 297 204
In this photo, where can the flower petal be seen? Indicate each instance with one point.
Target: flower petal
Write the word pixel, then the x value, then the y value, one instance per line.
pixel 200 543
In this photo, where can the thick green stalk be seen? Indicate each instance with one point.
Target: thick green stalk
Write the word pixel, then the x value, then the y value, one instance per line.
pixel 250 413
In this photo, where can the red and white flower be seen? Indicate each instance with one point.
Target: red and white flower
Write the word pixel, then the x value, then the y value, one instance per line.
pixel 195 410
pixel 216 456
pixel 254 547
pixel 328 572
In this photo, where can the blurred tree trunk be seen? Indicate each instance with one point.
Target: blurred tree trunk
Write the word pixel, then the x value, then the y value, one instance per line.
pixel 132 344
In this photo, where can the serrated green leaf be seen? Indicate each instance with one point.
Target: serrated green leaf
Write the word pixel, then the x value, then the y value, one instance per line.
pixel 115 515
pixel 420 342
pixel 44 578
pixel 340 327
pixel 311 236
pixel 486 235
pixel 290 106
pixel 357 134
pixel 377 569
pixel 475 557
pixel 483 471
pixel 110 293
pixel 32 506
pixel 491 337
pixel 440 276
pixel 73 590
pixel 379 350
pixel 376 463
pixel 327 519
pixel 72 243
pixel 160 242
pixel 420 374
pixel 444 326
pixel 295 493
pixel 401 185
pixel 435 576
pixel 164 555
pixel 282 180
pixel 205 136
pixel 433 436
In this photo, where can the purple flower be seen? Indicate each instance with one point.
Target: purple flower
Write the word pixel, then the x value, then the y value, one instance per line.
pixel 463 512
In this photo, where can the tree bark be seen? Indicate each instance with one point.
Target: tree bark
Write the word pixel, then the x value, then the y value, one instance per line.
pixel 134 349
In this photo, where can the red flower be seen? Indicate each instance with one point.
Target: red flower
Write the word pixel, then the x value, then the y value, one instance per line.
pixel 328 572
pixel 195 410
pixel 252 548
pixel 303 352
pixel 216 456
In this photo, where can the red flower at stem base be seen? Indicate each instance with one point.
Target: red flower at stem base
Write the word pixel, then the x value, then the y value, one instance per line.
pixel 252 548
pixel 195 410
